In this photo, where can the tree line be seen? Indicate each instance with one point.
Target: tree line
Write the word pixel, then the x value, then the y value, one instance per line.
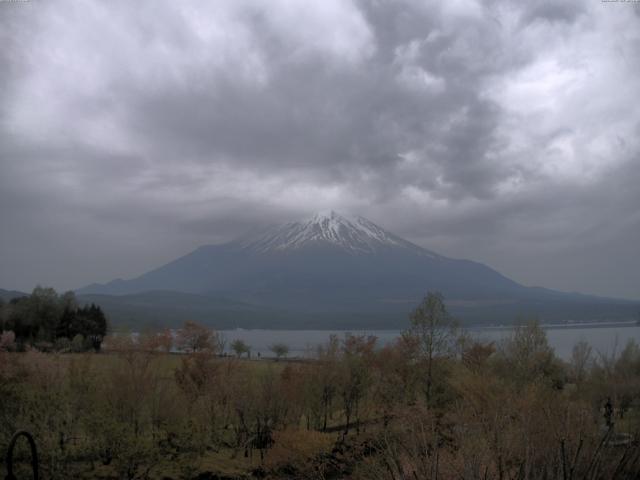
pixel 49 321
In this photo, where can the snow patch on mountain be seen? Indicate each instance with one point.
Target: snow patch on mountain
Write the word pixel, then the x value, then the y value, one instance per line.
pixel 355 235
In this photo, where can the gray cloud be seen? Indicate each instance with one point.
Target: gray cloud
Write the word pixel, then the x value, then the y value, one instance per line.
pixel 131 133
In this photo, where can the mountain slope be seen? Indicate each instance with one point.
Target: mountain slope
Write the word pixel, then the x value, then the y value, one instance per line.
pixel 328 257
pixel 7 295
pixel 339 267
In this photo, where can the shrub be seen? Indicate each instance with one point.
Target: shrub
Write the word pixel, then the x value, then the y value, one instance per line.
pixel 62 344
pixel 8 341
pixel 78 343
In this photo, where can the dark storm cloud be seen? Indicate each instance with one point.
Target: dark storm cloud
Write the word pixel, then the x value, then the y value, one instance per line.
pixel 131 133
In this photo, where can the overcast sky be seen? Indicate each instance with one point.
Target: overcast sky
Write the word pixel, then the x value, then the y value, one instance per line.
pixel 132 132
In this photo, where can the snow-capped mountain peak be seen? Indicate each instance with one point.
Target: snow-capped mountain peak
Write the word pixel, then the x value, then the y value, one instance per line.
pixel 353 234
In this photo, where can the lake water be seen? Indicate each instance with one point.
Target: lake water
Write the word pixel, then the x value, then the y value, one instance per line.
pixel 605 339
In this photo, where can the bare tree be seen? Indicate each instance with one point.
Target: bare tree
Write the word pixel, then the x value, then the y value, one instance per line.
pixel 193 337
pixel 355 375
pixel 281 350
pixel 434 331
pixel 581 358
pixel 526 355
pixel 240 347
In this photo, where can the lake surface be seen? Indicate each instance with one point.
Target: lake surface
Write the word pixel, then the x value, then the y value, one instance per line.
pixel 603 338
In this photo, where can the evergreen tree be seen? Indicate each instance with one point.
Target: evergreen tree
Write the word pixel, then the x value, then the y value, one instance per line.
pixel 66 323
pixel 45 316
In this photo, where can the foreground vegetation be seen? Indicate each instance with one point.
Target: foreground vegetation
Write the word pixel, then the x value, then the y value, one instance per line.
pixel 434 404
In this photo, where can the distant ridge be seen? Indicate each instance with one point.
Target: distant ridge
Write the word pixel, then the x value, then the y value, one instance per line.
pixel 7 295
pixel 336 270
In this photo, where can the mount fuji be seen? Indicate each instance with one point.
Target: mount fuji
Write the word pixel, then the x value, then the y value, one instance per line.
pixel 331 271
